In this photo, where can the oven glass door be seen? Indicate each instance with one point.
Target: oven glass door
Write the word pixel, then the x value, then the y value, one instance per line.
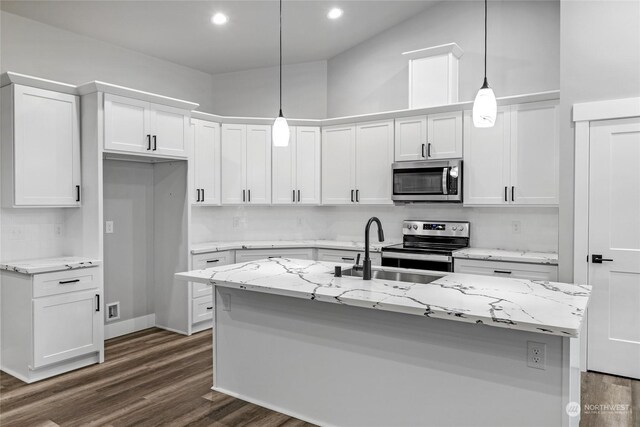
pixel 419 181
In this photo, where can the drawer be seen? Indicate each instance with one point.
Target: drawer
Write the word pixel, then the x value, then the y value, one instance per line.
pixel 348 257
pixel 247 255
pixel 516 270
pixel 202 309
pixel 201 290
pixel 212 259
pixel 61 282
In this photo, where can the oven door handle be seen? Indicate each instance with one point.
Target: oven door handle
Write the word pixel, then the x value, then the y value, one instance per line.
pixel 417 257
pixel 445 189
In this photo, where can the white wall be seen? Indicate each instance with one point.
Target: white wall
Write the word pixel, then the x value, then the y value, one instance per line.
pixel 600 42
pixel 523 54
pixel 255 92
pixel 490 227
pixel 30 47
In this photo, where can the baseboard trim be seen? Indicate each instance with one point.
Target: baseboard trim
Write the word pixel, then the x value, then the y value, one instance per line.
pixel 112 330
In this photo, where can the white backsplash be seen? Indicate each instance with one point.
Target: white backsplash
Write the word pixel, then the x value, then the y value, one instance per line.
pixel 490 227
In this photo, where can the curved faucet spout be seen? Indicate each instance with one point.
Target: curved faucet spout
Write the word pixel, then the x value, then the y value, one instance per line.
pixel 366 264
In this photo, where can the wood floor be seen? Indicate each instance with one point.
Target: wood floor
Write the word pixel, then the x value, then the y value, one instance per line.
pixel 155 377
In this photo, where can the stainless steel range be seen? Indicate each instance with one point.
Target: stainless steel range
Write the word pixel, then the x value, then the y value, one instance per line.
pixel 427 245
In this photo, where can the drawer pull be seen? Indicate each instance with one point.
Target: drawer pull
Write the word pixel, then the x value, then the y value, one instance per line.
pixel 212 260
pixel 274 257
pixel 348 259
pixel 209 308
pixel 66 282
pixel 501 272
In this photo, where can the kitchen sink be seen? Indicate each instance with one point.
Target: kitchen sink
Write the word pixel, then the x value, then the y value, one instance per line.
pixel 396 276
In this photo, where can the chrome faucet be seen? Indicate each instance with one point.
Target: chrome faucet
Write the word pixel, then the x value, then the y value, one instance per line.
pixel 366 264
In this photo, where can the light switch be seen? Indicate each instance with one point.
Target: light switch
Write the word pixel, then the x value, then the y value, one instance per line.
pixel 108 227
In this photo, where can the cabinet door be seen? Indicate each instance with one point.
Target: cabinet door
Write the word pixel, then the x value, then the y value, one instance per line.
pixel 233 179
pixel 206 162
pixel 65 326
pixel 534 154
pixel 307 161
pixel 374 156
pixel 487 161
pixel 258 164
pixel 444 135
pixel 126 124
pixel 46 144
pixel 170 128
pixel 411 139
pixel 338 165
pixel 284 172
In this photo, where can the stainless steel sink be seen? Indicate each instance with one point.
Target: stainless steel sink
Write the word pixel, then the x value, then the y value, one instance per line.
pixel 394 276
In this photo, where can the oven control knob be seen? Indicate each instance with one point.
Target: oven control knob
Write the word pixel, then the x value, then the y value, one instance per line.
pixel 461 228
pixel 409 226
pixel 454 228
pixel 415 227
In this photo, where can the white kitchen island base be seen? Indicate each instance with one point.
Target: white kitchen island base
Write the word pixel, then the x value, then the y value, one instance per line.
pixel 333 364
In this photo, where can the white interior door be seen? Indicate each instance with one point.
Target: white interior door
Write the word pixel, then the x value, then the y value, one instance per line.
pixel 258 164
pixel 614 233
pixel 411 139
pixel 232 170
pixel 126 124
pixel 47 148
pixel 283 172
pixel 307 163
pixel 444 135
pixel 169 131
pixel 338 165
pixel 206 159
pixel 374 156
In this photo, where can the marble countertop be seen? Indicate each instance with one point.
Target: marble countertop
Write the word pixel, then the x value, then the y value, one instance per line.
pixel 202 248
pixel 48 265
pixel 536 306
pixel 510 256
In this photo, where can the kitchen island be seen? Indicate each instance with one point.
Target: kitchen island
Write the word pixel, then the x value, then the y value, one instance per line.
pixel 290 336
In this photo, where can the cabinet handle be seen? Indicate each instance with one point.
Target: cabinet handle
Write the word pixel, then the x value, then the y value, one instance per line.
pixel 298 195
pixel 97 302
pixel 505 194
pixel 501 272
pixel 243 193
pixel 352 199
pixel 358 196
pixel 344 258
pixel 249 195
pixel 513 193
pixel 198 193
pixel 269 257
pixel 77 193
pixel 155 143
pixel 209 308
pixel 148 142
pixel 429 150
pixel 422 150
pixel 293 195
pixel 212 260
pixel 202 195
pixel 65 282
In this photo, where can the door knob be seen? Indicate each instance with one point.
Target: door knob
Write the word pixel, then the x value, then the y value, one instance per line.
pixel 597 259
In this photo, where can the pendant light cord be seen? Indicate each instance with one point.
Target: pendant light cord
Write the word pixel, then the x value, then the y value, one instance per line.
pixel 281 58
pixel 485 42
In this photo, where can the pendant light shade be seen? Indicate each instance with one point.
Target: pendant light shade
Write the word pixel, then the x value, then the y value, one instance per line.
pixel 280 132
pixel 485 107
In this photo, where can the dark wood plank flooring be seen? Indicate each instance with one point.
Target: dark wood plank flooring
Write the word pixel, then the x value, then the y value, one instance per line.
pixel 155 377
pixel 149 378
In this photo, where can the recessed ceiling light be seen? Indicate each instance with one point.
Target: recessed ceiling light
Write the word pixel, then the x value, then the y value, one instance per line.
pixel 335 13
pixel 219 19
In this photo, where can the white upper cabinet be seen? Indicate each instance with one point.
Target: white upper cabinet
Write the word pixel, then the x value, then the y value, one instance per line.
pixel 516 161
pixel 296 168
pixel 246 164
pixel 136 126
pixel 339 165
pixel 356 163
pixel 206 163
pixel 374 156
pixel 436 136
pixel 40 147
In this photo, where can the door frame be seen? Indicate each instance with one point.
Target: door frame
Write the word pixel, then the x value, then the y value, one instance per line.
pixel 583 114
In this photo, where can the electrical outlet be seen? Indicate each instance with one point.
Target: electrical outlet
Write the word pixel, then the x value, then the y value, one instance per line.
pixel 108 227
pixel 226 302
pixel 236 221
pixel 516 226
pixel 299 221
pixel 536 355
pixel 113 311
pixel 16 232
pixel 57 230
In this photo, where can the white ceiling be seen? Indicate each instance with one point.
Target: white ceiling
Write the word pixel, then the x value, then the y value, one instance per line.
pixel 181 31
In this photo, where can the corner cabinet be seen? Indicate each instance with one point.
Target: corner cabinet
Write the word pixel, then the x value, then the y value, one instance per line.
pixel 516 161
pixel 436 136
pixel 40 148
pixel 296 168
pixel 141 127
pixel 246 164
pixel 205 163
pixel 356 163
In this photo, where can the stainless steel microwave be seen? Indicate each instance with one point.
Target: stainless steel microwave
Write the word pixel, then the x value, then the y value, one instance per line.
pixel 427 181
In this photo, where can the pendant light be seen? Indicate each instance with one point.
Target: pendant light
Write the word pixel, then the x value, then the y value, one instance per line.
pixel 484 106
pixel 280 127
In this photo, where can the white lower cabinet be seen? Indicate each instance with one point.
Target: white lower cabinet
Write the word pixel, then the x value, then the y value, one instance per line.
pixel 247 255
pixel 51 322
pixel 515 270
pixel 344 256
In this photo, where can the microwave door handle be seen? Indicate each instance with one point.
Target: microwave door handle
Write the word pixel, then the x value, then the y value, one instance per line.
pixel 445 189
